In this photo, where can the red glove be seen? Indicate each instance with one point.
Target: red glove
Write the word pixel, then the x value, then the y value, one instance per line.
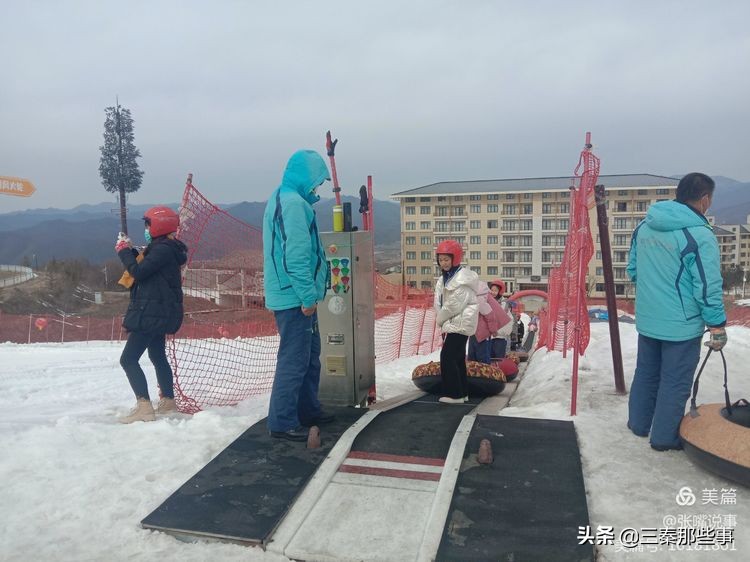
pixel 122 244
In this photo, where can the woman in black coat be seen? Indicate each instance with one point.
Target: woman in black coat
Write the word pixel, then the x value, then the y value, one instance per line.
pixel 155 308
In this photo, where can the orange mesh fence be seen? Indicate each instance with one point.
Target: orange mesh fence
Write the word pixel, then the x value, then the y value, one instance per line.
pixel 567 319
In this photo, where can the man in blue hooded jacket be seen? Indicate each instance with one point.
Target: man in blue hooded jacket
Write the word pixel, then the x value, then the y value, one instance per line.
pixel 295 277
pixel 674 262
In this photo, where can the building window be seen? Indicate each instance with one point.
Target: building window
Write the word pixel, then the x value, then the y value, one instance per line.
pixel 411 210
pixel 641 205
pixel 441 211
pixel 475 208
pixel 426 270
pixel 546 195
pixel 546 208
pixel 425 240
pixel 411 255
pixel 410 199
pixel 492 255
pixel 509 224
pixel 475 224
pixel 492 240
pixel 525 271
pixel 565 195
pixel 509 209
pixel 492 224
pixel 526 257
pixel 599 271
pixel 548 224
pixel 621 256
pixel 509 196
pixel 425 210
pixel 622 192
pixel 458 226
pixel 527 195
pixel 598 254
pixel 564 207
pixel 475 197
pixel 459 211
pixel 442 226
pixel 458 197
pixel 492 208
pixel 509 241
pixel 411 269
pixel 621 207
pixel 425 199
pixel 411 225
pixel 620 273
pixel 621 223
pixel 425 255
pixel 475 240
pixel 493 196
pixel 546 270
pixel 642 192
pixel 562 224
pixel 621 239
pixel 412 284
pixel 509 272
pixel 600 287
pixel 425 225
pixel 527 209
pixel 525 224
pixel 410 240
pixel 426 285
pixel 524 241
pixel 661 191
pixel 475 255
pixel 492 270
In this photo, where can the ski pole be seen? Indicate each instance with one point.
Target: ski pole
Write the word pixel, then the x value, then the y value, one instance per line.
pixel 330 150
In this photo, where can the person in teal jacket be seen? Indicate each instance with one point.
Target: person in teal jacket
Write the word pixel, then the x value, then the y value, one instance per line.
pixel 674 262
pixel 295 278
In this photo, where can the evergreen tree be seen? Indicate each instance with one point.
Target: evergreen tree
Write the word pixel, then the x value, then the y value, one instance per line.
pixel 118 166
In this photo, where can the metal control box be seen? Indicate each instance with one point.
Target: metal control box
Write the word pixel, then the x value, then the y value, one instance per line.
pixel 347 320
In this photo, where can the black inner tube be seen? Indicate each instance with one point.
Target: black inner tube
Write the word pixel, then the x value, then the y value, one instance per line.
pixel 740 415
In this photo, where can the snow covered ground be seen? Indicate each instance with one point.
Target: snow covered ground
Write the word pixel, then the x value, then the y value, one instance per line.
pixel 75 483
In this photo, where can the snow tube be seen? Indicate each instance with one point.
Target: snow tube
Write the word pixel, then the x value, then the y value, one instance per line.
pixel 719 441
pixel 716 437
pixel 507 366
pixel 483 379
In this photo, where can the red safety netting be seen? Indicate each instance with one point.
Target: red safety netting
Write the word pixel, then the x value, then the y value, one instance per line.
pixel 567 323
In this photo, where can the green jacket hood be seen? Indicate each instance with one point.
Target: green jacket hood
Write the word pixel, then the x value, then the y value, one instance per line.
pixel 305 171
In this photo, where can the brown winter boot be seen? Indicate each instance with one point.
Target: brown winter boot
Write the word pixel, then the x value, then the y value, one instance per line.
pixel 143 411
pixel 166 406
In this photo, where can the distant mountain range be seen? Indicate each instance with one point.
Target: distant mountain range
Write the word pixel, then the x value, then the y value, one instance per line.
pixel 89 231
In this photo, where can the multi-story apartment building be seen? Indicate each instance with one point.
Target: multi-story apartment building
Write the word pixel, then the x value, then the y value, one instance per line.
pixel 734 244
pixel 515 229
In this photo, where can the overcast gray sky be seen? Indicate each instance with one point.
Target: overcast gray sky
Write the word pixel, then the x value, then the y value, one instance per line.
pixel 417 92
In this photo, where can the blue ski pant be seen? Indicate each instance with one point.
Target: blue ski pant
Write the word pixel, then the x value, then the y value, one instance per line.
pixel 480 351
pixel 661 387
pixel 294 396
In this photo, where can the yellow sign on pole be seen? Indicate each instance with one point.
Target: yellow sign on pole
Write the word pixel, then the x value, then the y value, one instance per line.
pixel 16 186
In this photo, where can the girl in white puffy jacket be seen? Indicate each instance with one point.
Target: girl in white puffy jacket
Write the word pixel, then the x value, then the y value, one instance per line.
pixel 457 317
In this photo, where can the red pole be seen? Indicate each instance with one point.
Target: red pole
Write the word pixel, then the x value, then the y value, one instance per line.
pixel 330 150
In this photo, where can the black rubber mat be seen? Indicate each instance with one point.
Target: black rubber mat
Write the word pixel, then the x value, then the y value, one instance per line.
pixel 243 493
pixel 527 505
pixel 422 428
